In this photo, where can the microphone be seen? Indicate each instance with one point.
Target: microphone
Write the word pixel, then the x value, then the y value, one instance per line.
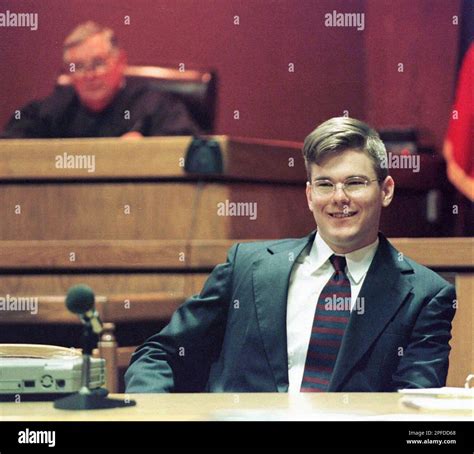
pixel 80 300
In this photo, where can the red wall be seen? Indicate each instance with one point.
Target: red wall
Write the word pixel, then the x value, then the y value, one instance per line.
pixel 421 35
pixel 336 69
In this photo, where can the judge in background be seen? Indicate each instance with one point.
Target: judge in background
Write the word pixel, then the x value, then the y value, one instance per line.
pixel 340 310
pixel 100 102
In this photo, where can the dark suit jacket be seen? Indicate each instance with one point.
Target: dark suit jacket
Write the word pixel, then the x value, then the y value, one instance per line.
pixel 232 336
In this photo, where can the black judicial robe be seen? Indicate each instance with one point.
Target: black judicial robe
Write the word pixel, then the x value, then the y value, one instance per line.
pixel 137 107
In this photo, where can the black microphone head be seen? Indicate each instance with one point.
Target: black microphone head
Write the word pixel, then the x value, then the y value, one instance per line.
pixel 80 299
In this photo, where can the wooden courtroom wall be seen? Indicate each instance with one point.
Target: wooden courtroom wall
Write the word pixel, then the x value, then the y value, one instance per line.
pixel 336 69
pixel 165 210
pixel 139 191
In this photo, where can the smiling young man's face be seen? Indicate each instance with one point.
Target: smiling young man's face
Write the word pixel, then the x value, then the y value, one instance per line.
pixel 348 221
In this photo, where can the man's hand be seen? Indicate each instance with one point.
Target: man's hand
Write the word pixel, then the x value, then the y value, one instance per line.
pixel 132 135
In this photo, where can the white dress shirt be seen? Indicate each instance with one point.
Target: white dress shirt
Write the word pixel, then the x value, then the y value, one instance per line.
pixel 310 274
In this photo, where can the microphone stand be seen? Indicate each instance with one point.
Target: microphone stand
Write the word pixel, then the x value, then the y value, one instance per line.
pixel 87 398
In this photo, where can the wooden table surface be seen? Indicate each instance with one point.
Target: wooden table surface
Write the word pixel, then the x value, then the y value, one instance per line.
pixel 246 406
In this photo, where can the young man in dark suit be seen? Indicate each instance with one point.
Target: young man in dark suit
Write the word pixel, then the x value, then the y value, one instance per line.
pixel 338 310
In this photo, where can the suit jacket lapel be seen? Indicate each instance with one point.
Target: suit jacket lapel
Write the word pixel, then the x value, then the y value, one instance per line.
pixel 384 290
pixel 271 275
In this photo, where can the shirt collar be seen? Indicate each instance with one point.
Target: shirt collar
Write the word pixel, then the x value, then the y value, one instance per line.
pixel 358 261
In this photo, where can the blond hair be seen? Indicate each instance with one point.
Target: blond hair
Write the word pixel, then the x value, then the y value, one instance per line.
pixel 342 133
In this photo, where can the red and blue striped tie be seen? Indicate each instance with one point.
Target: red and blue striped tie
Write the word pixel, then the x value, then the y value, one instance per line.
pixel 330 321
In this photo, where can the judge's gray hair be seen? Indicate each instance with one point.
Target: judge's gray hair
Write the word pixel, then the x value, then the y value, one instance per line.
pixel 86 30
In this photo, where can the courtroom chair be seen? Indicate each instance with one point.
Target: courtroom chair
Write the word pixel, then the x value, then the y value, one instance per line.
pixel 196 88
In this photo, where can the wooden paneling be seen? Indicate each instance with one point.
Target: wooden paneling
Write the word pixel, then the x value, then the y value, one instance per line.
pixel 111 211
pixel 117 255
pixel 150 211
pixel 94 254
pixel 36 159
pixel 462 354
pixel 438 252
pixel 139 190
pixel 180 254
pixel 114 308
pixel 265 160
pixel 148 158
pixel 57 283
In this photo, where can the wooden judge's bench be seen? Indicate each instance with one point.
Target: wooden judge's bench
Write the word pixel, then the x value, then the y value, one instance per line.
pixel 124 217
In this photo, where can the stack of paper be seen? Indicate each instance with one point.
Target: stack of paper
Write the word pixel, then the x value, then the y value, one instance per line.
pixel 439 398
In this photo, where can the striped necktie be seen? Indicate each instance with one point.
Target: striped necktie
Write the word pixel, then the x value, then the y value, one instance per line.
pixel 330 321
